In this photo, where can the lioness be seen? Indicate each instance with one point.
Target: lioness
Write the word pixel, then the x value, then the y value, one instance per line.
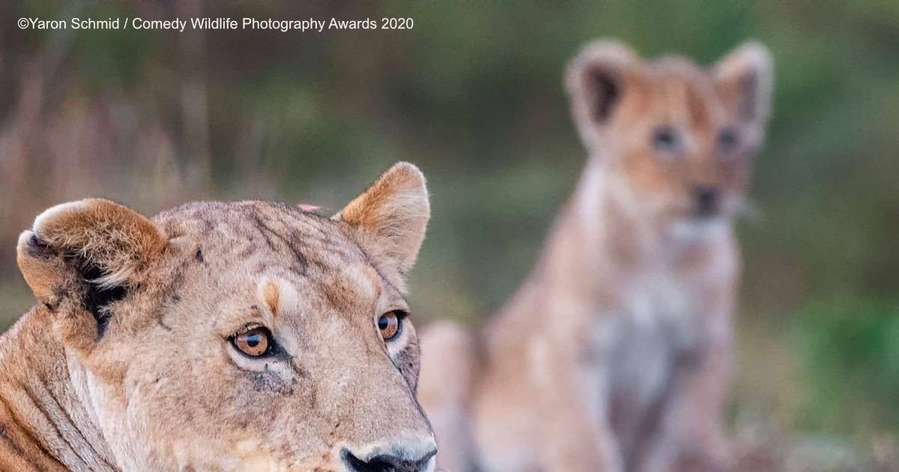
pixel 615 355
pixel 219 336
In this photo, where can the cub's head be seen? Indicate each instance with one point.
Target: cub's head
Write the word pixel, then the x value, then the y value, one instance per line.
pixel 678 138
pixel 241 336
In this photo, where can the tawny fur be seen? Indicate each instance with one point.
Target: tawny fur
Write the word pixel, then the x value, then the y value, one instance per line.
pixel 161 387
pixel 616 352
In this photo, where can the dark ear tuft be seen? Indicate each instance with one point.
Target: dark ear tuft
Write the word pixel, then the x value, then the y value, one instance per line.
pixel 35 247
pixel 97 297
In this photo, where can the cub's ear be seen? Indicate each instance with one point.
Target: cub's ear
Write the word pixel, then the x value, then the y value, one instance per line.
pixel 596 81
pixel 92 249
pixel 744 80
pixel 392 215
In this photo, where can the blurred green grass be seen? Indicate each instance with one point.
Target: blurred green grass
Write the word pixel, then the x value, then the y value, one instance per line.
pixel 850 355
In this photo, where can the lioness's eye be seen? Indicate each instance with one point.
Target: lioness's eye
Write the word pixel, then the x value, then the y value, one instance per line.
pixel 254 342
pixel 390 324
pixel 665 138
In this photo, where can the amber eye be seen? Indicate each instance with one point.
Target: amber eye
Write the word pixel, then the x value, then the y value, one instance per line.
pixel 254 342
pixel 390 323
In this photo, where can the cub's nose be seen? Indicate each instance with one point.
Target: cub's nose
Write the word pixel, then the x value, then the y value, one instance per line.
pixel 706 198
pixel 419 457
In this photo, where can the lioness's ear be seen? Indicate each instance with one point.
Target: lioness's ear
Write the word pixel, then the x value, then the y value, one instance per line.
pixel 744 80
pixel 91 248
pixel 596 80
pixel 392 214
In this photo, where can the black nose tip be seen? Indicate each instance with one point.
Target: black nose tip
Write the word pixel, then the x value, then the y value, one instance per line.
pixel 386 462
pixel 706 199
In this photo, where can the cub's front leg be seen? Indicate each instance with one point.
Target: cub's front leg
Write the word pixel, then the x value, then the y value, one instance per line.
pixel 703 445
pixel 691 436
pixel 577 436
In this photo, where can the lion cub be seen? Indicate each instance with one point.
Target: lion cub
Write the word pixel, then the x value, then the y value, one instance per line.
pixel 615 355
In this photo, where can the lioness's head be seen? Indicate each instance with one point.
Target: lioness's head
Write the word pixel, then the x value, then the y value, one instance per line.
pixel 677 136
pixel 242 336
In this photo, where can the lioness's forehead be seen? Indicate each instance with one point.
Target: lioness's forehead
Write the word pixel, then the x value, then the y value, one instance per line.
pixel 263 237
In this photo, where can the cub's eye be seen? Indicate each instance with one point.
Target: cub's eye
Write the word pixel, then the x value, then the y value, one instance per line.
pixel 254 342
pixel 390 324
pixel 665 138
pixel 728 139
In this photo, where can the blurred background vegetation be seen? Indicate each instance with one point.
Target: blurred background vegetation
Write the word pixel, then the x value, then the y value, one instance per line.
pixel 473 95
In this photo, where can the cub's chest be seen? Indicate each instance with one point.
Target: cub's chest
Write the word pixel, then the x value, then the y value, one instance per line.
pixel 658 304
pixel 654 325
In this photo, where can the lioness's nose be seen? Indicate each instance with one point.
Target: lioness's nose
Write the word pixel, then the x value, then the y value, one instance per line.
pixel 401 457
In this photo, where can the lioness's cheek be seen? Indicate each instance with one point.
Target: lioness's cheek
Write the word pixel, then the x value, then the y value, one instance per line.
pixel 408 361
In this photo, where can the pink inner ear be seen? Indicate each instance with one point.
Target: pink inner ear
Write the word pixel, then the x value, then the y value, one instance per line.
pixel 308 208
